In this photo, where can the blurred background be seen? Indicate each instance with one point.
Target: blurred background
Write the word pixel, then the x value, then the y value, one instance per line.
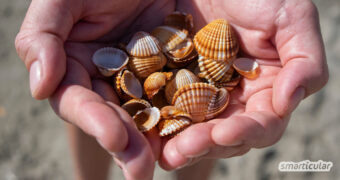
pixel 33 144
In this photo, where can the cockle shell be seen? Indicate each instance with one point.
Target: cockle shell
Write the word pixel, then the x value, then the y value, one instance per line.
pixel 183 77
pixel 109 60
pixel 201 100
pixel 159 100
pixel 180 20
pixel 182 55
pixel 247 67
pixel 155 82
pixel 127 85
pixel 143 67
pixel 217 41
pixel 215 70
pixel 143 44
pixel 229 85
pixel 169 36
pixel 135 105
pixel 173 120
pixel 147 119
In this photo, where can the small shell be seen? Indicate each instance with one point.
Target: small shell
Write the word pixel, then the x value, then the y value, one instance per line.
pixel 215 70
pixel 169 36
pixel 143 44
pixel 182 55
pixel 147 119
pixel 109 60
pixel 229 85
pixel 217 40
pixel 180 20
pixel 135 105
pixel 201 100
pixel 183 77
pixel 159 100
pixel 127 85
pixel 155 82
pixel 247 67
pixel 143 67
pixel 173 120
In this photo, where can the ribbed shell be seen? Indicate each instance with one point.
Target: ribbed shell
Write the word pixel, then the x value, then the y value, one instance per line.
pixel 143 67
pixel 147 119
pixel 201 100
pixel 155 82
pixel 182 55
pixel 135 105
pixel 215 70
pixel 169 36
pixel 171 126
pixel 180 20
pixel 127 85
pixel 183 77
pixel 109 60
pixel 143 44
pixel 217 40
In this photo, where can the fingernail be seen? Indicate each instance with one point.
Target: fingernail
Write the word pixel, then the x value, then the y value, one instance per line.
pixel 206 151
pixel 35 76
pixel 185 164
pixel 237 143
pixel 296 98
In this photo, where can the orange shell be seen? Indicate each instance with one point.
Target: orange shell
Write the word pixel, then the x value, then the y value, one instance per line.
pixel 143 67
pixel 155 82
pixel 135 105
pixel 180 20
pixel 248 68
pixel 171 126
pixel 169 36
pixel 215 70
pixel 147 119
pixel 143 44
pixel 127 86
pixel 217 41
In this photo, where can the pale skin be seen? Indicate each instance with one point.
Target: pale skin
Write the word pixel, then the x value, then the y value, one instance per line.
pixel 58 38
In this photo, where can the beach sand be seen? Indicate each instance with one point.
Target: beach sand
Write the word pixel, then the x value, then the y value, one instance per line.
pixel 33 142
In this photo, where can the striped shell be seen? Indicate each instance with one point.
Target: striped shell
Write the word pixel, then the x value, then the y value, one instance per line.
pixel 169 36
pixel 215 70
pixel 217 40
pixel 173 121
pixel 143 44
pixel 127 85
pixel 183 77
pixel 143 67
pixel 248 68
pixel 182 55
pixel 201 100
pixel 147 119
pixel 135 105
pixel 109 60
pixel 155 82
pixel 180 20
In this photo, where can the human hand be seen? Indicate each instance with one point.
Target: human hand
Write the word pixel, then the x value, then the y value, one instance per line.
pixel 56 42
pixel 284 38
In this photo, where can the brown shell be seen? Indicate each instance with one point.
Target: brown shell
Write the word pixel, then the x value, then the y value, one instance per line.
pixel 169 36
pixel 135 105
pixel 215 70
pixel 127 85
pixel 143 44
pixel 182 55
pixel 171 112
pixel 171 126
pixel 201 100
pixel 155 82
pixel 183 77
pixel 248 68
pixel 143 67
pixel 147 119
pixel 217 41
pixel 229 85
pixel 159 100
pixel 109 60
pixel 180 20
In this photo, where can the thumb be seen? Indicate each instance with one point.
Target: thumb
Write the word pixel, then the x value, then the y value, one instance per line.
pixel 40 43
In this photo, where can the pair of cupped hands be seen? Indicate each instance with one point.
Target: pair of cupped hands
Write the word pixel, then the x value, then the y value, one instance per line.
pixel 58 38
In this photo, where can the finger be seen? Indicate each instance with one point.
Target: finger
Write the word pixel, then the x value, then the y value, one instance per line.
pixel 74 102
pixel 258 126
pixel 40 43
pixel 171 158
pixel 301 50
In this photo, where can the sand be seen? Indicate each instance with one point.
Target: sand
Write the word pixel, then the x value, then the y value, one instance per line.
pixel 33 144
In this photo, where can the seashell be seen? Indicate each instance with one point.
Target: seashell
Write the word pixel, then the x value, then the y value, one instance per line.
pixel 215 70
pixel 201 100
pixel 229 85
pixel 159 100
pixel 183 77
pixel 182 55
pixel 180 20
pixel 109 60
pixel 155 82
pixel 169 36
pixel 217 41
pixel 135 105
pixel 128 86
pixel 247 67
pixel 173 120
pixel 143 44
pixel 147 119
pixel 143 67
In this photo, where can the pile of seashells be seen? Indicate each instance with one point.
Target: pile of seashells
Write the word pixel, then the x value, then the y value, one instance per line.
pixel 184 81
